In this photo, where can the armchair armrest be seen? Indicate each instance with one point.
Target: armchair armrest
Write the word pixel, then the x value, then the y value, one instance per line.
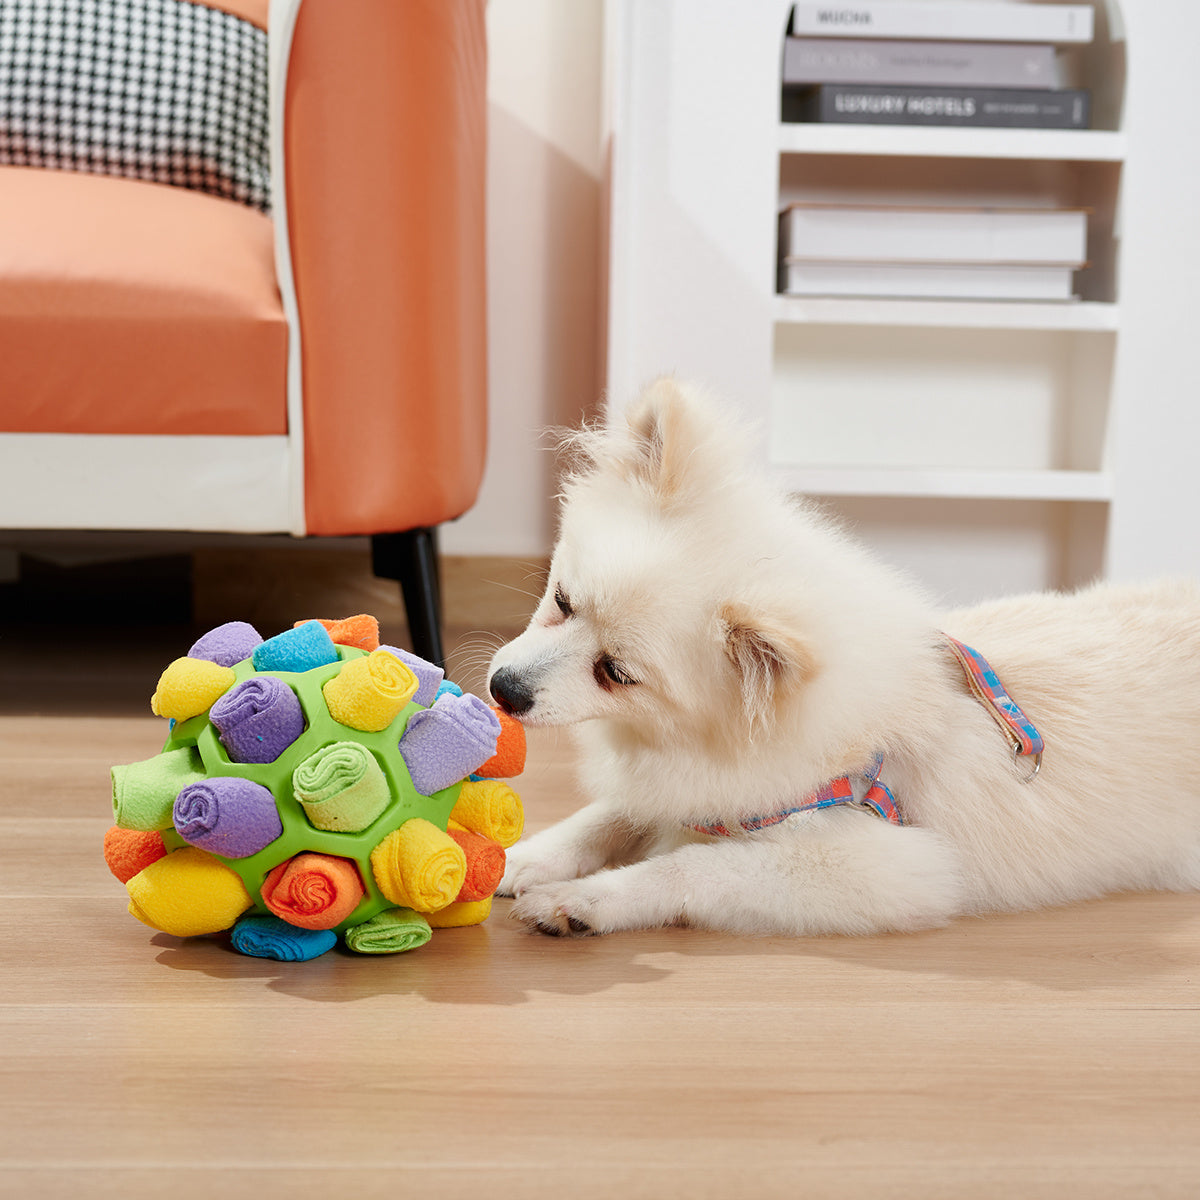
pixel 380 205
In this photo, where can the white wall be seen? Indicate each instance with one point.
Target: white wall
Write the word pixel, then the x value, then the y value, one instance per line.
pixel 544 274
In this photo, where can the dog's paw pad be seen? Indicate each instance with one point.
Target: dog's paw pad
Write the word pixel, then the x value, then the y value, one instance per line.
pixel 560 925
pixel 548 911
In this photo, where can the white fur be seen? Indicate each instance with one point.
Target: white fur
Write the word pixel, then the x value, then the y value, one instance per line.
pixel 771 653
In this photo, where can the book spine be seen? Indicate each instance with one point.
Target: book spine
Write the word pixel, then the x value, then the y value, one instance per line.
pixel 966 281
pixel 933 235
pixel 1006 108
pixel 944 64
pixel 945 21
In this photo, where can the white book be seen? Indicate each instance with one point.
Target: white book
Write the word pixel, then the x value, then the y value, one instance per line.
pixel 944 281
pixel 892 233
pixel 884 61
pixel 956 20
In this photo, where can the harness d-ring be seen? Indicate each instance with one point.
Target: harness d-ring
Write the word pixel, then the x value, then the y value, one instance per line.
pixel 1037 763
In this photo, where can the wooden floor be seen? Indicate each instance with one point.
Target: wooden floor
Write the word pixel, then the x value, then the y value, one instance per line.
pixel 1049 1054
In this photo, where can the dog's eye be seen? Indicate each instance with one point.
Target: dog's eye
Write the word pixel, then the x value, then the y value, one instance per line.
pixel 564 604
pixel 607 671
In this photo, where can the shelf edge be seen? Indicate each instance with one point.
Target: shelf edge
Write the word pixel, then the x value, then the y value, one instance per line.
pixel 1084 316
pixel 933 483
pixel 918 141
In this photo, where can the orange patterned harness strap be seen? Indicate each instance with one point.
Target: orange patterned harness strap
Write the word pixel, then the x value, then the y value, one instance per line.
pixel 877 799
pixel 985 685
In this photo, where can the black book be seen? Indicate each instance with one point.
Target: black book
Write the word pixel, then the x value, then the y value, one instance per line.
pixel 1011 108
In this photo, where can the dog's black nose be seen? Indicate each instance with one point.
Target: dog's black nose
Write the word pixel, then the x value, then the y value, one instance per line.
pixel 511 692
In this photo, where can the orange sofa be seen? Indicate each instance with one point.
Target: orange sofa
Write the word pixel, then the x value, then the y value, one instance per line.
pixel 174 360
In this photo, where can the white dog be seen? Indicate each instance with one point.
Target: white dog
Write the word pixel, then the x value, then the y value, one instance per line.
pixel 727 654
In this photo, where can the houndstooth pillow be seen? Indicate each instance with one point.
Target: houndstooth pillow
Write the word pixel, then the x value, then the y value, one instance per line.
pixel 161 90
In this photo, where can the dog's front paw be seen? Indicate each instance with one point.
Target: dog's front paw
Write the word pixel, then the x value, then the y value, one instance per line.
pixel 557 910
pixel 524 871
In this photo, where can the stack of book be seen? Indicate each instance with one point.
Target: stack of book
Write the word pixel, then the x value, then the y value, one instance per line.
pixel 934 62
pixel 971 253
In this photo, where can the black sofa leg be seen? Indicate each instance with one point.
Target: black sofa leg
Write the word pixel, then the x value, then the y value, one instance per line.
pixel 411 557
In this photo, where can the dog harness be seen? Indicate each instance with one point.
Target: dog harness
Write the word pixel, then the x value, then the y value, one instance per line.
pixel 1021 732
pixel 985 685
pixel 836 793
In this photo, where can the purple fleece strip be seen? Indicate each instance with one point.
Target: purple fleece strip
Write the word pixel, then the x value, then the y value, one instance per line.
pixel 445 743
pixel 228 816
pixel 258 719
pixel 227 644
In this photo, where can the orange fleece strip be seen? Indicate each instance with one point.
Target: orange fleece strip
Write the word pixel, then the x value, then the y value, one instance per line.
pixel 509 759
pixel 127 851
pixel 361 631
pixel 485 865
pixel 313 891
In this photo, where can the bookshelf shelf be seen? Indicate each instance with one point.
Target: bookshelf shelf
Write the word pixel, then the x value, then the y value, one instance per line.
pixel 1066 428
pixel 1056 145
pixel 946 314
pixel 949 484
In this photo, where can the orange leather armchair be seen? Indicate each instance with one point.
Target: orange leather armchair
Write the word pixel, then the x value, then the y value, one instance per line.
pixel 174 360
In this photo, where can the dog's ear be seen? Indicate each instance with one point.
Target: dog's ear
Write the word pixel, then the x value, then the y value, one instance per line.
pixel 661 442
pixel 771 661
pixel 674 443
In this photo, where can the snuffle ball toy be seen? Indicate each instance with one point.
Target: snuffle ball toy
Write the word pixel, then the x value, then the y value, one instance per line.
pixel 312 785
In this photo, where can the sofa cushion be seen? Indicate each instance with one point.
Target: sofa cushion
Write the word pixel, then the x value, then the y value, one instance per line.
pixel 162 90
pixel 136 308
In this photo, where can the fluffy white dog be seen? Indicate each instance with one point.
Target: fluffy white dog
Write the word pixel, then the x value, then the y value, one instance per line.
pixel 738 669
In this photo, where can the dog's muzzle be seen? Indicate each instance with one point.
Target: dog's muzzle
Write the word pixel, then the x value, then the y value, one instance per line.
pixel 511 691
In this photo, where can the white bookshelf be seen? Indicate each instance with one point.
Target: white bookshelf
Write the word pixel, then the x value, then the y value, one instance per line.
pixel 990 446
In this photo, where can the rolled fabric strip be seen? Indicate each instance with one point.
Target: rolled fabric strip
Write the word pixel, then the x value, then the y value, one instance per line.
pixel 128 851
pixel 188 687
pixel 227 815
pixel 187 894
pixel 445 743
pixel 485 865
pixel 263 936
pixel 393 931
pixel 304 648
pixel 258 719
pixel 418 866
pixel 456 916
pixel 448 688
pixel 227 644
pixel 341 787
pixel 313 891
pixel 509 759
pixel 368 693
pixel 143 793
pixel 491 808
pixel 429 676
pixel 361 631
